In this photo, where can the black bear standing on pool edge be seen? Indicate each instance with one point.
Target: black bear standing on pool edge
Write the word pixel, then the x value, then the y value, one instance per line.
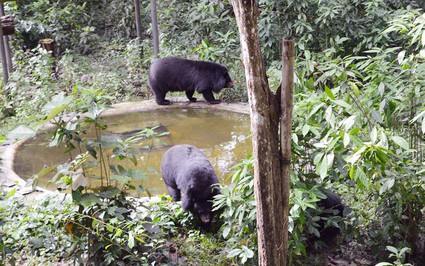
pixel 178 74
pixel 185 169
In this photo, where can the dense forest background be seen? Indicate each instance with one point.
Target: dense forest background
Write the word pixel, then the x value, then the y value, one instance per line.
pixel 359 113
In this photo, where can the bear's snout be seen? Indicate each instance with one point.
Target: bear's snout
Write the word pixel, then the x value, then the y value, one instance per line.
pixel 205 218
pixel 229 84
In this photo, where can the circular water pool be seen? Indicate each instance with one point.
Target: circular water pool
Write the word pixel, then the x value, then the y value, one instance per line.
pixel 223 135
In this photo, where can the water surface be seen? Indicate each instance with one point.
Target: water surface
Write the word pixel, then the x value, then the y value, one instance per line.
pixel 223 136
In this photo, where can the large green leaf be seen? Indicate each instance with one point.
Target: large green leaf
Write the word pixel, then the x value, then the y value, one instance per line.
pixel 329 93
pixel 401 142
pixel 21 132
pixel 88 200
pixel 58 101
pixel 361 178
pixel 122 179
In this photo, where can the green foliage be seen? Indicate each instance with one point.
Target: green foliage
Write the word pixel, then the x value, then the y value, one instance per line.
pixel 33 231
pixel 77 25
pixel 238 203
pixel 115 231
pixel 316 25
pixel 209 21
pixel 239 216
pixel 359 117
pixel 170 217
pixel 37 78
pixel 202 249
pixel 62 21
pixel 30 86
pixel 362 112
pixel 398 254
pixel 188 244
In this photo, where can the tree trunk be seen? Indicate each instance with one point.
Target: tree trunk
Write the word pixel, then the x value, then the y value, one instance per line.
pixel 10 28
pixel 155 28
pixel 3 58
pixel 268 180
pixel 138 18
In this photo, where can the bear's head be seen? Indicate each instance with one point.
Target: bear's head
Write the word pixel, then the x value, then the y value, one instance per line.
pixel 203 210
pixel 222 79
pixel 228 80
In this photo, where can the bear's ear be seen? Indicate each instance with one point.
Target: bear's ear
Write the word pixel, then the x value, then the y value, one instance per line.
pixel 215 189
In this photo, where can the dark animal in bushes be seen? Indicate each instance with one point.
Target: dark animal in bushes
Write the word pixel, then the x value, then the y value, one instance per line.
pixel 185 169
pixel 332 206
pixel 178 74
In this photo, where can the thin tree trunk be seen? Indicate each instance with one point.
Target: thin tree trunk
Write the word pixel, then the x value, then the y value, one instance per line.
pixel 286 104
pixel 155 28
pixel 268 181
pixel 7 45
pixel 138 18
pixel 3 58
pixel 8 54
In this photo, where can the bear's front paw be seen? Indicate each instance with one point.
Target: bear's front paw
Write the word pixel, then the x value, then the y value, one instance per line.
pixel 214 102
pixel 163 102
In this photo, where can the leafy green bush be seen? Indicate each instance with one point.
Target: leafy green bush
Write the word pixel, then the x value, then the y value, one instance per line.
pixel 77 25
pixel 239 216
pixel 400 256
pixel 62 21
pixel 33 231
pixel 29 88
pixel 186 242
pixel 358 123
pixel 108 228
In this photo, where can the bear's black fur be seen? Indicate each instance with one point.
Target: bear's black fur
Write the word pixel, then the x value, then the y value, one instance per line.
pixel 179 74
pixel 185 169
pixel 332 206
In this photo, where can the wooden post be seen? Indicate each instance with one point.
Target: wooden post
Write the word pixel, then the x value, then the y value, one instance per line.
pixel 286 104
pixel 3 58
pixel 154 28
pixel 8 54
pixel 7 51
pixel 138 18
pixel 8 24
pixel 48 45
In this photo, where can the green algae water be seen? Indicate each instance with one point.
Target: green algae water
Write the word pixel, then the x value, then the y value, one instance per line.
pixel 223 136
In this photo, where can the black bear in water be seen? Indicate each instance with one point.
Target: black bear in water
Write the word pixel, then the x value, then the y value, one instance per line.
pixel 185 169
pixel 179 74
